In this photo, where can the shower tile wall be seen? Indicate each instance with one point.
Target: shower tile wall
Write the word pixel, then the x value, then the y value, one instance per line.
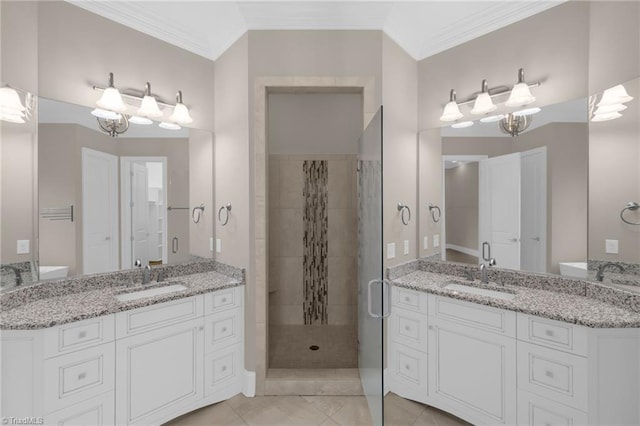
pixel 286 240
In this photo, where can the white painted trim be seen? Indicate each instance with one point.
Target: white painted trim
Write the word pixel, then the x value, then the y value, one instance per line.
pixel 465 250
pixel 249 383
pixel 542 203
pixel 385 376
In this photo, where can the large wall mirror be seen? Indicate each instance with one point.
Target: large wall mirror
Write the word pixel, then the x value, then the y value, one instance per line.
pixel 103 201
pixel 520 199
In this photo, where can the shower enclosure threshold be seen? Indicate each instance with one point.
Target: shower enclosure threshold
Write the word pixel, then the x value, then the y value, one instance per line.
pixel 313 381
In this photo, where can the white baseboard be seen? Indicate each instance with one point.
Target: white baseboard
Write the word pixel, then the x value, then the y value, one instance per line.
pixel 249 384
pixel 465 250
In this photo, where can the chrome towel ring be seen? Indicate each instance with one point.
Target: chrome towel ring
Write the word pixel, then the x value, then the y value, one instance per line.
pixel 200 210
pixel 402 208
pixel 433 209
pixel 631 205
pixel 227 209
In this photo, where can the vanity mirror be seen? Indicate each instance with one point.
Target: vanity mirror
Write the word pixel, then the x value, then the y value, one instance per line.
pixel 521 199
pixel 104 201
pixel 614 180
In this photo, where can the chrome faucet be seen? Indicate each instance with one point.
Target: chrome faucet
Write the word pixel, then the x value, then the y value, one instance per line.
pixel 146 275
pixel 484 277
pixel 601 268
pixel 16 271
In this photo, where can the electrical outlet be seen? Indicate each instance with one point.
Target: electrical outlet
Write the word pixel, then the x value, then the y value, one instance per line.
pixel 611 246
pixel 391 250
pixel 218 245
pixel 22 247
pixel 406 246
pixel 425 243
pixel 211 244
pixel 436 241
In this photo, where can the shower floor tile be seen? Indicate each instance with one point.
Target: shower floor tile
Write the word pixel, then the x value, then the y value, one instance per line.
pixel 289 346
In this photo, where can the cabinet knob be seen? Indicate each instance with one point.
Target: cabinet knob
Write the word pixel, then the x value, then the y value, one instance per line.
pixel 430 327
pixel 224 329
pixel 224 368
pixel 224 300
pixel 407 367
pixel 549 333
pixel 82 335
pixel 201 328
pixel 406 299
pixel 549 374
pixel 82 376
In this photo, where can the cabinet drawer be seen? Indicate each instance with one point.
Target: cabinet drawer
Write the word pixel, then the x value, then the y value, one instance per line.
pixel 157 316
pixel 552 374
pixel 72 378
pixel 412 300
pixel 534 410
pixel 98 411
pixel 223 372
pixel 475 315
pixel 78 335
pixel 408 372
pixel 220 300
pixel 409 328
pixel 223 329
pixel 554 334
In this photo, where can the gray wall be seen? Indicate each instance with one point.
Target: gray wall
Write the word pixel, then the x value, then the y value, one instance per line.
pixel 461 198
pixel 201 191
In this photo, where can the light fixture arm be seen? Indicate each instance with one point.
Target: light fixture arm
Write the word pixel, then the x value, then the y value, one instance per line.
pixel 497 92
pixel 179 97
pixel 521 75
pixel 452 95
pixel 134 97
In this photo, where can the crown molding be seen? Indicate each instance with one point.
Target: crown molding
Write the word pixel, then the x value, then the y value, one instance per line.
pixel 135 15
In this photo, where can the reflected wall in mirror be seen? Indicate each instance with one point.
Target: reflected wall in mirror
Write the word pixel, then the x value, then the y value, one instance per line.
pixel 104 202
pixel 614 178
pixel 521 200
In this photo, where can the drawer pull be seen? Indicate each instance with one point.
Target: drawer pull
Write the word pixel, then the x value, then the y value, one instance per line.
pixel 407 328
pixel 224 300
pixel 407 299
pixel 82 376
pixel 82 335
pixel 407 367
pixel 549 333
pixel 224 329
pixel 549 374
pixel 430 327
pixel 201 328
pixel 224 368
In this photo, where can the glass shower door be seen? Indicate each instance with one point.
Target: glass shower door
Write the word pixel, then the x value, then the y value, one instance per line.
pixel 371 288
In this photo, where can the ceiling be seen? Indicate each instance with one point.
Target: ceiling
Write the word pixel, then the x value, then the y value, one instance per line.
pixel 422 28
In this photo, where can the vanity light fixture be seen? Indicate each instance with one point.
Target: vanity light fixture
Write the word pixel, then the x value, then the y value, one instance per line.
pixel 520 94
pixel 462 124
pixel 451 111
pixel 180 112
pixel 12 109
pixel 108 115
pixel 136 119
pixel 527 111
pixel 606 116
pixel 515 124
pixel 169 126
pixel 611 104
pixel 483 103
pixel 111 99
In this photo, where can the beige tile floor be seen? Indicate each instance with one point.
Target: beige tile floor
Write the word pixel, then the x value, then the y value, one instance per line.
pixel 313 411
pixel 289 346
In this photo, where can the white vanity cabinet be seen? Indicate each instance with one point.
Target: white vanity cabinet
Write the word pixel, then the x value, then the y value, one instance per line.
pixel 142 366
pixel 495 366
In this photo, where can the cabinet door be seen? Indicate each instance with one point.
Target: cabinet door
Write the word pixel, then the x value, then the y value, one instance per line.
pixel 97 411
pixel 158 373
pixel 472 372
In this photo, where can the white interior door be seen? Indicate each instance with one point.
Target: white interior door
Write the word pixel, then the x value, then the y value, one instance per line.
pixel 534 210
pixel 140 212
pixel 499 208
pixel 99 212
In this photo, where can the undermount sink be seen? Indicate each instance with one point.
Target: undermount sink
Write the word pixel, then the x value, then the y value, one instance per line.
pixel 496 294
pixel 150 292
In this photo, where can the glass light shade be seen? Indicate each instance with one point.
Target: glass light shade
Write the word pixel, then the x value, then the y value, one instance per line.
pixel 181 114
pixel 10 100
pixel 520 96
pixel 462 124
pixel 483 104
pixel 12 118
pixel 169 126
pixel 492 118
pixel 605 109
pixel 149 107
pixel 111 100
pixel 527 111
pixel 103 113
pixel 606 117
pixel 614 95
pixel 451 112
pixel 140 120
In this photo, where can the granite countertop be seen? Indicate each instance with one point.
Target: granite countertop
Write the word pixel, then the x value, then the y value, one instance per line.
pixel 76 306
pixel 561 306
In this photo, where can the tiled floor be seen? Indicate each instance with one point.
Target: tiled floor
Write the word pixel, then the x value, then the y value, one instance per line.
pixel 289 346
pixel 313 411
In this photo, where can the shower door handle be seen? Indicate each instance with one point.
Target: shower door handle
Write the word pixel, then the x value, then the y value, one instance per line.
pixel 369 288
pixel 386 301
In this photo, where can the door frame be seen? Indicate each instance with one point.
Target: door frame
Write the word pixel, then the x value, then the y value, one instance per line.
pixel 443 227
pixel 125 211
pixel 113 198
pixel 541 203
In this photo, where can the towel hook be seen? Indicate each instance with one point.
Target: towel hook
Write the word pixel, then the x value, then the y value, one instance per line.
pixel 631 205
pixel 226 208
pixel 402 208
pixel 433 209
pixel 200 210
